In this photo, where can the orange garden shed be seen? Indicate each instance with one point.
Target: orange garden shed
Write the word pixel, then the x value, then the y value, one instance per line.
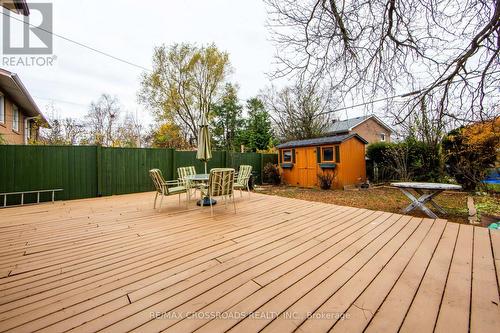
pixel 301 161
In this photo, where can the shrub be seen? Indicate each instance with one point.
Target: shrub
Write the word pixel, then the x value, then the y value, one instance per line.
pixel 410 159
pixel 326 180
pixel 376 151
pixel 271 174
pixel 470 151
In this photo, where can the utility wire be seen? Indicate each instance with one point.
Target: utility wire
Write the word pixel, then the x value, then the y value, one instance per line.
pixel 411 93
pixel 61 101
pixel 80 44
pixel 149 70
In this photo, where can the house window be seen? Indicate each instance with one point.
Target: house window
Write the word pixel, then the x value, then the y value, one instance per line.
pixel 382 136
pixel 327 154
pixel 15 118
pixel 287 156
pixel 2 109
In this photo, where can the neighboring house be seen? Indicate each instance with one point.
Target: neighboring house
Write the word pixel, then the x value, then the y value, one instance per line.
pixel 301 161
pixel 370 128
pixel 16 6
pixel 18 111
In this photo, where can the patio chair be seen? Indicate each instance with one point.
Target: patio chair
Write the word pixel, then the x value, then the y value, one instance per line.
pixel 220 184
pixel 182 173
pixel 167 188
pixel 243 179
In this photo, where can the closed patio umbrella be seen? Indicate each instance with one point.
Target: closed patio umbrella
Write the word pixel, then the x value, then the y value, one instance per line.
pixel 204 152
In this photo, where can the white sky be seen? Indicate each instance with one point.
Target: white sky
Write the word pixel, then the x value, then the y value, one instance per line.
pixel 130 30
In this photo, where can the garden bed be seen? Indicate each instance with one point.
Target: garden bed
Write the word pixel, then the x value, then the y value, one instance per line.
pixel 383 198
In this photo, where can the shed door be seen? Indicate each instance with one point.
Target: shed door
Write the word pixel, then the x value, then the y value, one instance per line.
pixel 306 165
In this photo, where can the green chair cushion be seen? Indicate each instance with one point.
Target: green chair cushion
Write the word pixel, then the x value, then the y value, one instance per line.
pixel 177 189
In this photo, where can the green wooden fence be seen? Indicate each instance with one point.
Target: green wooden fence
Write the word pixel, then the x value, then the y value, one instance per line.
pixel 90 171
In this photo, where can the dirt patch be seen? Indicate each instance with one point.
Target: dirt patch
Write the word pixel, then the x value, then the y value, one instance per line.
pixel 380 198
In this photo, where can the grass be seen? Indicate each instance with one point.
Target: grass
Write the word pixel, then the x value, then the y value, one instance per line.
pixel 487 204
pixel 493 188
pixel 385 199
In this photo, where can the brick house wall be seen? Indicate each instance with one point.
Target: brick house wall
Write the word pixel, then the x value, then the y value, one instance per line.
pixel 372 131
pixel 6 127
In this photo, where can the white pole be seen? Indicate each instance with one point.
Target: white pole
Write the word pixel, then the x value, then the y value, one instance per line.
pixel 205 167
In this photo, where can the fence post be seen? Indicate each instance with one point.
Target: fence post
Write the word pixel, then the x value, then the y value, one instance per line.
pixel 261 168
pixel 172 163
pixel 99 170
pixel 227 156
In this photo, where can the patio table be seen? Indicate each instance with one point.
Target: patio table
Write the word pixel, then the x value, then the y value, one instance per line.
pixel 201 178
pixel 427 192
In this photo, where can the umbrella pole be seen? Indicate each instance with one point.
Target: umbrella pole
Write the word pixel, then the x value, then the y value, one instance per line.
pixel 205 167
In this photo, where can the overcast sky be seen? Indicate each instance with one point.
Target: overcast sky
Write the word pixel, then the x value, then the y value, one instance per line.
pixel 130 30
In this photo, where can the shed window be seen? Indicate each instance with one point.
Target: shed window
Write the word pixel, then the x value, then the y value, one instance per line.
pixel 382 136
pixel 2 109
pixel 15 118
pixel 327 154
pixel 287 156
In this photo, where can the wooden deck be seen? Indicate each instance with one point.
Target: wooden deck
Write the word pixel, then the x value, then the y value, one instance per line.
pixel 278 265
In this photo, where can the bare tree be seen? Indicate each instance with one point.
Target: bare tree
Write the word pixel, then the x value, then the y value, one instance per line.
pixel 73 130
pixel 129 132
pixel 444 51
pixel 62 131
pixel 298 112
pixel 102 118
pixel 399 155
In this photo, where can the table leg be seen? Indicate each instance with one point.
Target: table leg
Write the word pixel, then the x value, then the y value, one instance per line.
pixel 432 202
pixel 419 203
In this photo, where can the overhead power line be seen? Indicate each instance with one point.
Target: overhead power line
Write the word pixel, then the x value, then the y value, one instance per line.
pixel 61 101
pixel 80 44
pixel 150 70
pixel 408 94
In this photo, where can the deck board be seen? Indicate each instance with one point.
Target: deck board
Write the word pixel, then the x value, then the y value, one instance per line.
pixel 455 305
pixel 485 310
pixel 114 264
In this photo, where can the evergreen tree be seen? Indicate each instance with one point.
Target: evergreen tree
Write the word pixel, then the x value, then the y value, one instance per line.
pixel 226 120
pixel 258 134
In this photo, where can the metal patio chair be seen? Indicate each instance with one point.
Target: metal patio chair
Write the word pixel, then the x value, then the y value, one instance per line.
pixel 182 173
pixel 167 188
pixel 220 184
pixel 243 179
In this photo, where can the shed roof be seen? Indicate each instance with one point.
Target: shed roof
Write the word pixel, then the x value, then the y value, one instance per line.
pixel 348 124
pixel 321 141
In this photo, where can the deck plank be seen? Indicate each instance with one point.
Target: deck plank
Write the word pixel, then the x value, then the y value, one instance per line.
pixel 485 304
pixel 455 306
pixel 358 315
pixel 421 316
pixel 114 264
pixel 337 250
pixel 495 245
pixel 294 291
pixel 392 312
pixel 315 302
